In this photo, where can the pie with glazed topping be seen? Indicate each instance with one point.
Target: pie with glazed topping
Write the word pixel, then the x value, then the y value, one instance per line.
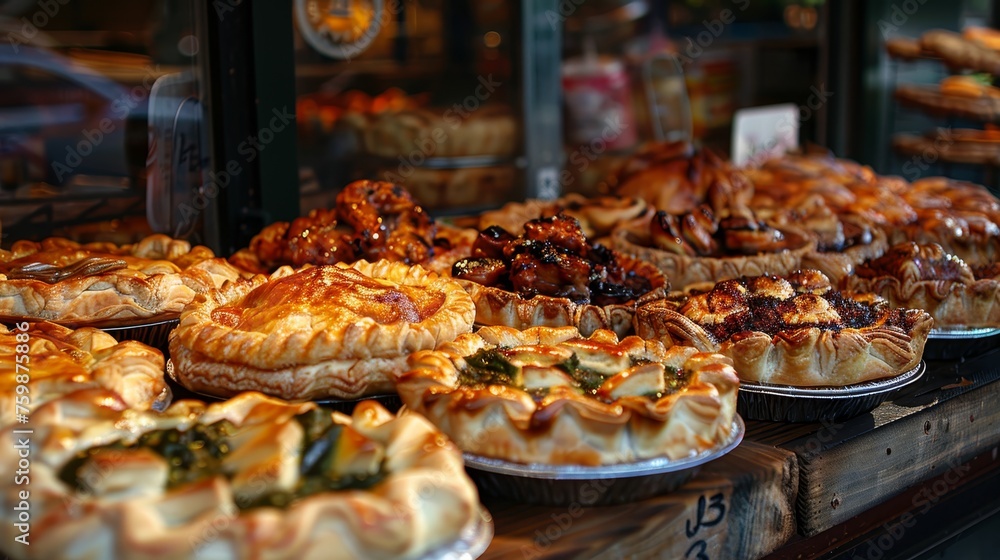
pixel 59 361
pixel 924 276
pixel 372 220
pixel 700 247
pixel 597 216
pixel 101 284
pixel 792 330
pixel 253 477
pixel 326 331
pixel 552 396
pixel 551 275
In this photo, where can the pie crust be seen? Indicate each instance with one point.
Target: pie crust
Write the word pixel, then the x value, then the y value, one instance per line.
pixel 554 255
pixel 338 331
pixel 556 420
pixel 792 331
pixel 926 277
pixel 126 508
pixel 60 361
pixel 635 240
pixel 101 284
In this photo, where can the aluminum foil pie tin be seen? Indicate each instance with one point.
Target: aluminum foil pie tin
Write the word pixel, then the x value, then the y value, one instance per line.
pixel 954 343
pixel 564 485
pixel 391 402
pixel 784 403
pixel 475 539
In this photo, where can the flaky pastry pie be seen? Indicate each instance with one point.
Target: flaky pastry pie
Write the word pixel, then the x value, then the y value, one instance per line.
pixel 327 331
pixel 54 361
pixel 253 477
pixel 699 247
pixel 372 220
pixel 101 284
pixel 551 275
pixel 597 215
pixel 926 277
pixel 792 331
pixel 549 395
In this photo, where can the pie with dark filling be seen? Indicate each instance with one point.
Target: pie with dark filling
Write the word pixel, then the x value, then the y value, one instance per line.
pixel 101 284
pixel 253 477
pixel 551 275
pixel 792 331
pixel 326 331
pixel 926 277
pixel 549 395
pixel 61 361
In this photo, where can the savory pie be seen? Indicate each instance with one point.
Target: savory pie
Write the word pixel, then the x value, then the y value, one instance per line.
pixel 549 395
pixel 792 331
pixel 926 277
pixel 253 477
pixel 53 361
pixel 101 284
pixel 326 331
pixel 372 220
pixel 551 275
pixel 699 247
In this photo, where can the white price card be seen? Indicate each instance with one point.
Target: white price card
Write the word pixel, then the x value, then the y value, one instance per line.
pixel 761 133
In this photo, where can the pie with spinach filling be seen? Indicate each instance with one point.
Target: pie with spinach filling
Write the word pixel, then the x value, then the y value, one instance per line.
pixel 549 395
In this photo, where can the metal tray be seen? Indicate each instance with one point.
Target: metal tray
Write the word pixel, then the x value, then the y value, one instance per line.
pixel 563 485
pixel 785 403
pixel 955 344
pixel 475 539
pixel 391 402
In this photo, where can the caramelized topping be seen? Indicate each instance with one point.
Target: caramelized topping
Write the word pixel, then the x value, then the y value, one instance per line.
pixel 930 262
pixel 700 233
pixel 552 258
pixel 53 273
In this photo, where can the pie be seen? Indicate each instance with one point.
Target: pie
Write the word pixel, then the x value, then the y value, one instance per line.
pixel 253 477
pixel 102 284
pixel 962 52
pixel 597 215
pixel 926 277
pixel 966 145
pixel 966 99
pixel 372 220
pixel 551 275
pixel 792 331
pixel 549 395
pixel 59 361
pixel 677 178
pixel 698 247
pixel 327 331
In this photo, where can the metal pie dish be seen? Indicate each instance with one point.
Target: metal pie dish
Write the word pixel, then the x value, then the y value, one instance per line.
pixel 785 403
pixel 390 401
pixel 958 343
pixel 473 542
pixel 566 485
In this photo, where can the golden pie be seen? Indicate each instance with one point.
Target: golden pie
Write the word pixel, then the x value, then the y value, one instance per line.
pixel 102 284
pixel 699 247
pixel 372 220
pixel 792 331
pixel 551 275
pixel 52 361
pixel 326 331
pixel 926 277
pixel 549 395
pixel 253 477
pixel 597 216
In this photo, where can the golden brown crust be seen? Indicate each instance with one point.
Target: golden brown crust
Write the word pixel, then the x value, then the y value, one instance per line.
pixel 838 263
pixel 565 425
pixel 61 361
pixel 101 284
pixel 597 215
pixel 337 328
pixel 422 503
pixel 792 332
pixel 926 277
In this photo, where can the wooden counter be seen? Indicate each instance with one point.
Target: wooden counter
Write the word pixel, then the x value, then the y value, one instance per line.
pixel 786 482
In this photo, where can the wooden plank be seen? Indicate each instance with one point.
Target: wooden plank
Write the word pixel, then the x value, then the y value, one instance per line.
pixel 741 505
pixel 847 468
